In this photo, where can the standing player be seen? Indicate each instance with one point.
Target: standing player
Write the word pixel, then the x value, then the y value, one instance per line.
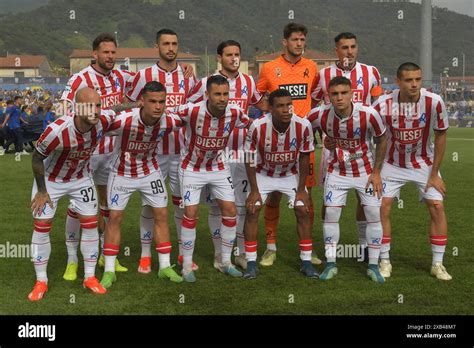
pixel 282 143
pixel 178 83
pixel 61 167
pixel 135 168
pixel 352 126
pixel 366 87
pixel 242 92
pixel 208 128
pixel 412 115
pixel 296 74
pixel 111 84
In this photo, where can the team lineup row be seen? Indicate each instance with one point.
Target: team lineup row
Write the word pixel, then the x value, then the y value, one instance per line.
pixel 140 129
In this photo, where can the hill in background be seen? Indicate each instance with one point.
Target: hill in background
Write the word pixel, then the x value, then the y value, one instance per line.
pixel 389 33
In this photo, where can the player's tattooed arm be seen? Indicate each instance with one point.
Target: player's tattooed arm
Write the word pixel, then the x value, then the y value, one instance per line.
pixel 440 147
pixel 127 104
pixel 375 179
pixel 42 196
pixel 254 195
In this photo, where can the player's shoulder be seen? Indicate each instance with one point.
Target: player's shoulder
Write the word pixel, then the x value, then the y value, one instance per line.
pixel 361 107
pixel 435 97
pixel 61 123
pixel 368 66
pixel 264 118
pixel 308 63
pixel 301 120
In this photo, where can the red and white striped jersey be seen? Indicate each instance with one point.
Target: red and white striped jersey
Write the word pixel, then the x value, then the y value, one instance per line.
pixel 111 88
pixel 242 91
pixel 68 150
pixel 354 154
pixel 178 89
pixel 136 144
pixel 207 136
pixel 277 153
pixel 410 127
pixel 363 77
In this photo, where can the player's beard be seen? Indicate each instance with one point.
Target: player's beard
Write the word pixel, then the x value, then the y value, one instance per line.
pixel 168 59
pixel 103 65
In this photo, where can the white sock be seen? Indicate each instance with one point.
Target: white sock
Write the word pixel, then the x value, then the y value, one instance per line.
pixel 251 251
pixel 331 232
pixel 73 235
pixel 146 230
pixel 438 247
pixel 271 246
pixel 110 254
pixel 374 233
pixel 41 249
pixel 188 239
pixel 89 245
pixel 385 248
pixel 241 212
pixel 178 218
pixel 228 231
pixel 164 252
pixel 214 220
pixel 361 227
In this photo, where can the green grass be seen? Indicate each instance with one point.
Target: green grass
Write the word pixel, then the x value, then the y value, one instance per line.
pixel 349 293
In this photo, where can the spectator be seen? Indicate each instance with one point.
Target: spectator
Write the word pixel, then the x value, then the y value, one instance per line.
pixel 50 116
pixel 14 119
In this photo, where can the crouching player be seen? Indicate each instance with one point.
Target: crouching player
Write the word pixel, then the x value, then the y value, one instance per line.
pixel 282 143
pixel 61 168
pixel 135 168
pixel 352 126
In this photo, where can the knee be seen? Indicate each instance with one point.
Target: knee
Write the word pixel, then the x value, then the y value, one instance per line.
pixel 115 217
pixel 436 208
pixel 301 213
pixel 160 214
pixel 372 213
pixel 332 214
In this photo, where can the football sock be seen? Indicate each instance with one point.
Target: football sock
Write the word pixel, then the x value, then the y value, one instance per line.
pixel 41 249
pixel 89 245
pixel 73 235
pixel 146 230
pixel 331 232
pixel 438 247
pixel 373 233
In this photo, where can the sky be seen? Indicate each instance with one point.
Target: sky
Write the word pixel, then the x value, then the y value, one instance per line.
pixel 465 7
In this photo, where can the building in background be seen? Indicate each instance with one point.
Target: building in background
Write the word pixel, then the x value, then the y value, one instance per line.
pixel 25 66
pixel 133 59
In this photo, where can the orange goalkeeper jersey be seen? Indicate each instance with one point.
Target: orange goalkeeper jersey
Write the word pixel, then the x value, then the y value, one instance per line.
pixel 299 79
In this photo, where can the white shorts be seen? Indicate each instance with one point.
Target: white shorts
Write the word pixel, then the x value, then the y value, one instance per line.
pixel 192 184
pixel 394 178
pixel 240 182
pixel 285 184
pixel 173 174
pixel 336 188
pixel 151 187
pixel 82 195
pixel 100 165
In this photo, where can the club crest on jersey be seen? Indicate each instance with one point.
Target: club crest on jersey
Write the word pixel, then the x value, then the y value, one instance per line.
pixel 181 85
pixel 357 131
pixel 117 82
pixel 244 90
pixel 423 118
pixel 306 73
pixel 360 82
pixel 278 72
pixel 227 127
pixel 293 143
pixel 99 134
